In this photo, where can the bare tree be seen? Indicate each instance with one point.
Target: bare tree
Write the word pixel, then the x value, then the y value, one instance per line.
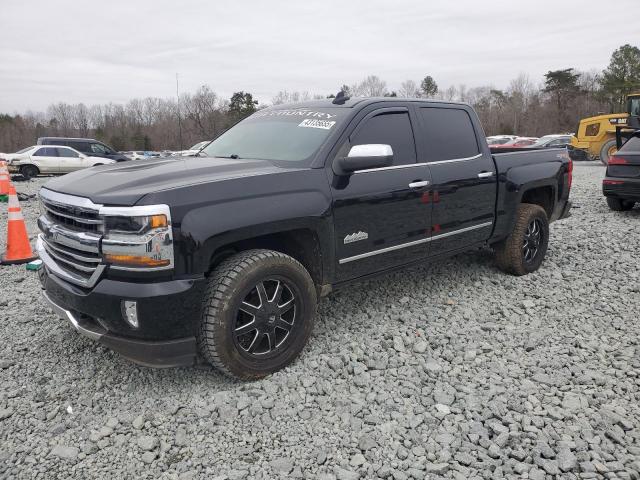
pixel 408 89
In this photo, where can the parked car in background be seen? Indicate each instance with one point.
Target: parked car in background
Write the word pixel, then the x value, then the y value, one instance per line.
pixel 87 146
pixel 621 185
pixel 51 159
pixel 139 154
pixel 499 139
pixel 193 151
pixel 518 142
pixel 553 141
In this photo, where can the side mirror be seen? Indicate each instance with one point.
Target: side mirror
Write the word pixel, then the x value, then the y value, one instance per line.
pixel 364 157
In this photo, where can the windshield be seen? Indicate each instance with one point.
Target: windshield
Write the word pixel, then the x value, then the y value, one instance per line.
pixel 292 135
pixel 199 145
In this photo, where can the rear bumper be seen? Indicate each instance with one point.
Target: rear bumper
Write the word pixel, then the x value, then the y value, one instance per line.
pixel 623 188
pixel 168 314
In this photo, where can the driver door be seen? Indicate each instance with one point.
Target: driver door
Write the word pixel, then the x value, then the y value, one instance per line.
pixel 381 215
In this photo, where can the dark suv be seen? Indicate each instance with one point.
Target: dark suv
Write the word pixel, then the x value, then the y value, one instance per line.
pixel 88 146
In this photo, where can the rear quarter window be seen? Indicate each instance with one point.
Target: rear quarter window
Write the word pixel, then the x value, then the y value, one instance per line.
pixel 447 134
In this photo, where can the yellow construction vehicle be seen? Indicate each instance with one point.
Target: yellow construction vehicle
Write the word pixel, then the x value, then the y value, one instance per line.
pixel 596 136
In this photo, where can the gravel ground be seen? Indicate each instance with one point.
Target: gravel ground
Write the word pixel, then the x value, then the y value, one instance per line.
pixel 453 370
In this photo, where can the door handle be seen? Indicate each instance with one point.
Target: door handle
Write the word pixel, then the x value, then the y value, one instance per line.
pixel 485 174
pixel 421 184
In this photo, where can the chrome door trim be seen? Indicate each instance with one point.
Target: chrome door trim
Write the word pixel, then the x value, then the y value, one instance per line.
pixel 383 250
pixel 393 167
pixel 454 160
pixel 461 230
pixel 411 244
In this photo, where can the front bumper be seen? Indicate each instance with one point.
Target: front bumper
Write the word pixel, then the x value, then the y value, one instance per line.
pixel 168 313
pixel 622 187
pixel 577 154
pixel 13 168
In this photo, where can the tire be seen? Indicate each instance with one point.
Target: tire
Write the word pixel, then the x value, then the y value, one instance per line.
pixel 29 171
pixel 620 205
pixel 515 254
pixel 606 150
pixel 234 302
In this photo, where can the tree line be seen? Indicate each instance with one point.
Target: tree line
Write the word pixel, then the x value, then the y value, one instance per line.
pixel 523 108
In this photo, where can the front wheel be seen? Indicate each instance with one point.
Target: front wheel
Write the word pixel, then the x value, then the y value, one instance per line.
pixel 619 205
pixel 258 314
pixel 29 171
pixel 524 249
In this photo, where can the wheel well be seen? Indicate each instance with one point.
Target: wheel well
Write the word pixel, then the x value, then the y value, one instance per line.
pixel 301 244
pixel 30 165
pixel 542 196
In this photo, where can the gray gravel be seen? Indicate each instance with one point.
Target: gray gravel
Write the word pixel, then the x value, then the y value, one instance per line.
pixel 453 370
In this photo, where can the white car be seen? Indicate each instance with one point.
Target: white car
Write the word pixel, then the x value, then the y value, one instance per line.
pixel 51 159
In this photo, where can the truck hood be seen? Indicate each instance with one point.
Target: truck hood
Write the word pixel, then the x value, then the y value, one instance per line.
pixel 126 183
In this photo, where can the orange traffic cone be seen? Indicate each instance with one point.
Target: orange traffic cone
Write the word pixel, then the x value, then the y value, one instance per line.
pixel 18 247
pixel 4 182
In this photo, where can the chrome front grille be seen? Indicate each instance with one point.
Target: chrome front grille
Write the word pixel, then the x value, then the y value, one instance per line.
pixel 69 244
pixel 75 217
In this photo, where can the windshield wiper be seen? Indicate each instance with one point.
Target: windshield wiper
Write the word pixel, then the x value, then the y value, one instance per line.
pixel 233 156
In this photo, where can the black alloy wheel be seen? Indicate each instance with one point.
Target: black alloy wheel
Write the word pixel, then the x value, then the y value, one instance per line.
pixel 266 318
pixel 533 238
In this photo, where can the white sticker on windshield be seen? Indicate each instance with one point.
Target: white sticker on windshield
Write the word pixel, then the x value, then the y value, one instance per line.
pixel 313 123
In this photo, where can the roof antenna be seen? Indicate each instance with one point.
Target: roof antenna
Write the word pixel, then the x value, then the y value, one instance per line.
pixel 341 98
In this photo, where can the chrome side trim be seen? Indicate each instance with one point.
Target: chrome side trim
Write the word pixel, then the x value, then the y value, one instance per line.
pixel 454 160
pixel 461 230
pixel 411 244
pixel 383 250
pixel 393 167
pixel 422 164
pixel 67 315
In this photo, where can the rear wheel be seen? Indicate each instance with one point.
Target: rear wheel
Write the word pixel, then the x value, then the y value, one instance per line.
pixel 29 171
pixel 619 205
pixel 258 314
pixel 608 149
pixel 523 251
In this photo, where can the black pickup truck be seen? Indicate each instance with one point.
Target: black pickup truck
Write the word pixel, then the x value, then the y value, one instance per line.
pixel 224 256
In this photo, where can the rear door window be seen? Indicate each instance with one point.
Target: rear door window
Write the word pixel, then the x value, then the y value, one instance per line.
pixel 447 134
pixel 66 152
pixel 99 148
pixel 46 152
pixel 80 146
pixel 391 129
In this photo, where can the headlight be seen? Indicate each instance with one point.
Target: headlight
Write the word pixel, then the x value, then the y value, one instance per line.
pixel 137 238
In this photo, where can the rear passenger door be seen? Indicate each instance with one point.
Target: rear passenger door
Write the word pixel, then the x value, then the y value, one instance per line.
pixel 463 176
pixel 380 218
pixel 70 160
pixel 46 159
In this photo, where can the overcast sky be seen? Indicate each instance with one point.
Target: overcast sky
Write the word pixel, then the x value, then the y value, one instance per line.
pixel 95 51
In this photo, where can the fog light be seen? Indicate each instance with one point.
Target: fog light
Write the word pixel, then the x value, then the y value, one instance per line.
pixel 130 312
